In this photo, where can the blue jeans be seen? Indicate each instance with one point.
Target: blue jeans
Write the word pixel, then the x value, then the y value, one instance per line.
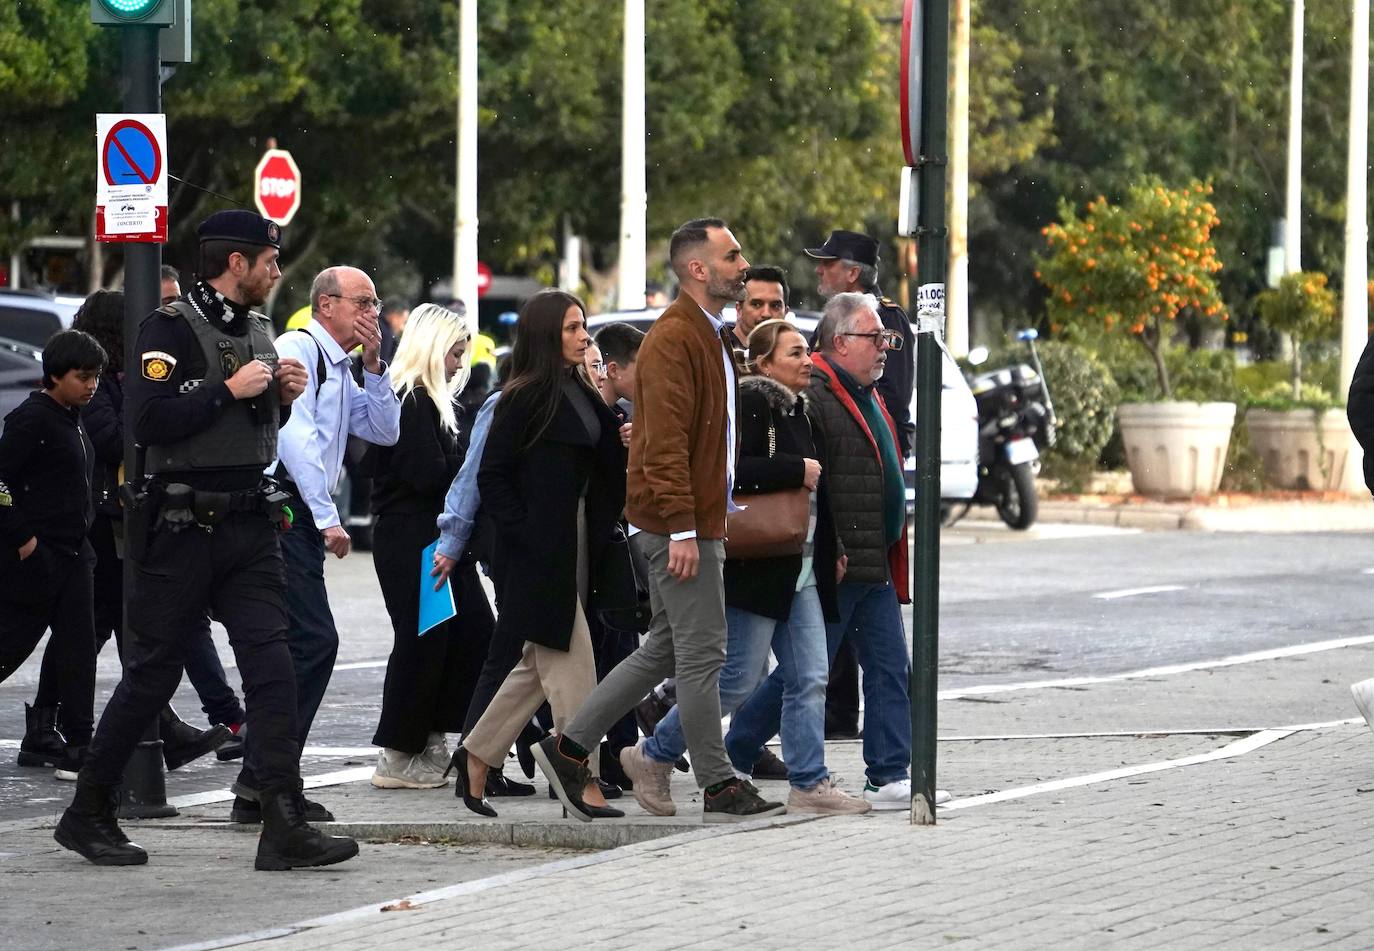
pixel 872 618
pixel 747 637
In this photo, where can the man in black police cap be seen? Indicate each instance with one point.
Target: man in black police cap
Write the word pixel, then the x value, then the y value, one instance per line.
pixel 848 261
pixel 205 399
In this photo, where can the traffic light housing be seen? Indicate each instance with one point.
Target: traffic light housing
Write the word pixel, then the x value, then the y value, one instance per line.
pixel 133 12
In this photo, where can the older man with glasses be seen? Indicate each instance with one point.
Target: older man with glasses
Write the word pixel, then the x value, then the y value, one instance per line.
pixel 868 499
pixel 848 263
pixel 310 456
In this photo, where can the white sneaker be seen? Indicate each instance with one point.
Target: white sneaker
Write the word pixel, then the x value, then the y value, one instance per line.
pixel 397 770
pixel 826 799
pixel 436 753
pixel 1363 693
pixel 897 795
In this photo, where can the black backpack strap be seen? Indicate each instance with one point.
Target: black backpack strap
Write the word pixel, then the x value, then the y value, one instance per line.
pixel 321 371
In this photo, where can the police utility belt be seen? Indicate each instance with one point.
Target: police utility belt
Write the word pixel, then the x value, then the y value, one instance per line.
pixel 179 506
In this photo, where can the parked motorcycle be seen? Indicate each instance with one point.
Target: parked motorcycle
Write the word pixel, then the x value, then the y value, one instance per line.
pixel 1015 423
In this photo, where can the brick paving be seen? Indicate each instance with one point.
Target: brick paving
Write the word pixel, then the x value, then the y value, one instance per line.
pixel 1262 850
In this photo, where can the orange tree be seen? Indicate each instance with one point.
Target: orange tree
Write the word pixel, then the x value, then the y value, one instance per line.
pixel 1303 307
pixel 1133 267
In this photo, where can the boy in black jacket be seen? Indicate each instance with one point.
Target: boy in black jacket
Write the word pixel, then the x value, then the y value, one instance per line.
pixel 46 464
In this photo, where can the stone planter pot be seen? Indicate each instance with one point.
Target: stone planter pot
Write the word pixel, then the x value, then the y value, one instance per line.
pixel 1176 449
pixel 1301 448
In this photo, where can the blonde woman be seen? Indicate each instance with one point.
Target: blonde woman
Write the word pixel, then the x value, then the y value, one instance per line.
pixel 429 678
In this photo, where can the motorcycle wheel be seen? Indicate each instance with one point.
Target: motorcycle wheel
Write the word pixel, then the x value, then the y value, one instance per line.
pixel 1017 502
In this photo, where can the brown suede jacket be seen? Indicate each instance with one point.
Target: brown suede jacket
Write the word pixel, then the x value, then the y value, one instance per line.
pixel 676 480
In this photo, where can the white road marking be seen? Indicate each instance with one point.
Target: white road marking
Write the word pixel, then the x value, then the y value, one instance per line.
pixel 336 778
pixel 1132 592
pixel 360 665
pixel 1237 748
pixel 1295 650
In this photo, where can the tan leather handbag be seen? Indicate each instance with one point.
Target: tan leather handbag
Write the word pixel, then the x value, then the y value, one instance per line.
pixel 770 524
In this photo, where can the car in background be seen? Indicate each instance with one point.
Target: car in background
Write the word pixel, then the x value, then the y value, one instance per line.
pixel 33 316
pixel 21 372
pixel 958 409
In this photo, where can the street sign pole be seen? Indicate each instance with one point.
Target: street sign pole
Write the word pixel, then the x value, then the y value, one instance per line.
pixel 931 266
pixel 145 783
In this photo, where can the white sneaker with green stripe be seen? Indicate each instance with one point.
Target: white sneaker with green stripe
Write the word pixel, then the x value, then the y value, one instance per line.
pixel 896 795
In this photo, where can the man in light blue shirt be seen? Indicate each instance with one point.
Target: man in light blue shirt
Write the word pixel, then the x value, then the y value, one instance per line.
pixel 344 309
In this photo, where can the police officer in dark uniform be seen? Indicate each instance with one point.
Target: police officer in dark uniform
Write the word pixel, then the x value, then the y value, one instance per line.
pixel 848 262
pixel 205 399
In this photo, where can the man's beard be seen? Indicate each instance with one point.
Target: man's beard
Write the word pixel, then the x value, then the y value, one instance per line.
pixel 725 289
pixel 252 295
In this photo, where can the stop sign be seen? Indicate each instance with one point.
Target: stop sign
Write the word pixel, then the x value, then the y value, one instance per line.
pixel 277 186
pixel 483 278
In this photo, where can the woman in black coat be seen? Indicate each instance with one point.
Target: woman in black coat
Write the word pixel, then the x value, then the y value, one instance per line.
pixel 430 675
pixel 553 482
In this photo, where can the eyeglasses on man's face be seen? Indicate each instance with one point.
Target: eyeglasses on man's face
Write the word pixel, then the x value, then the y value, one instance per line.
pixel 364 303
pixel 891 339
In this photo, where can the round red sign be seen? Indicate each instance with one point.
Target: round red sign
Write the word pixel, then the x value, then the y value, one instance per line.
pixel 483 279
pixel 277 186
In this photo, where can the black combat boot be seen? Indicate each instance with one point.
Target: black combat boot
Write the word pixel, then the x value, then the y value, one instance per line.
pixel 182 742
pixel 287 841
pixel 42 745
pixel 88 826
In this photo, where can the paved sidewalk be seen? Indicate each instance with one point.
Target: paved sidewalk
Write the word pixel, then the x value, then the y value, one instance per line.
pixel 1267 850
pixel 1154 811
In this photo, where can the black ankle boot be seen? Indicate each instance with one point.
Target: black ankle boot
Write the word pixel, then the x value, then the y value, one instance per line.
pixel 88 827
pixel 287 841
pixel 182 742
pixel 42 745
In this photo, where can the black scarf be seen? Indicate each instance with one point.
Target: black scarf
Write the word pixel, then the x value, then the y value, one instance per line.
pixel 215 307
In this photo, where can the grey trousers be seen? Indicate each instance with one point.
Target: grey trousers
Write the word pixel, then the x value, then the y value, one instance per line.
pixel 686 640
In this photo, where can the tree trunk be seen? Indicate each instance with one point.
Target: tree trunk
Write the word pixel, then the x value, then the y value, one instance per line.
pixel 1152 338
pixel 1297 370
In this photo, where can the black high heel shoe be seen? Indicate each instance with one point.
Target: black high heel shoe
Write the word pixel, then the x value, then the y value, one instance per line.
pixel 458 765
pixel 499 785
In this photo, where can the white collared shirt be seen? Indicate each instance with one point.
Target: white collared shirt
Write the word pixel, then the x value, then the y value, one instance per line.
pixel 312 444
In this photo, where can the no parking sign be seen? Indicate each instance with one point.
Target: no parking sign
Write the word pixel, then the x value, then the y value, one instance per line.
pixel 131 177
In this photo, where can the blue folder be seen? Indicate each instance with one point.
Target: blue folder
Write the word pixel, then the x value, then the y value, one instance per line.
pixel 436 607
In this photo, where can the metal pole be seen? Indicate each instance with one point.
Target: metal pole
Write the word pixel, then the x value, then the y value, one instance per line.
pixel 16 259
pixel 1292 232
pixel 145 784
pixel 931 269
pixel 634 196
pixel 956 301
pixel 465 219
pixel 1354 293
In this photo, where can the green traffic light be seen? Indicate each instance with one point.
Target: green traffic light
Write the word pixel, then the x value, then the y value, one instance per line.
pixel 130 9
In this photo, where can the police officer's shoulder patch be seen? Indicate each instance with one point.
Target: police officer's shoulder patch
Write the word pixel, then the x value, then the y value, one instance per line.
pixel 166 310
pixel 158 365
pixel 887 302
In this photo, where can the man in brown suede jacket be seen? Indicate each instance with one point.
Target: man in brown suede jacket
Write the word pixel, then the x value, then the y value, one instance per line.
pixel 682 462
